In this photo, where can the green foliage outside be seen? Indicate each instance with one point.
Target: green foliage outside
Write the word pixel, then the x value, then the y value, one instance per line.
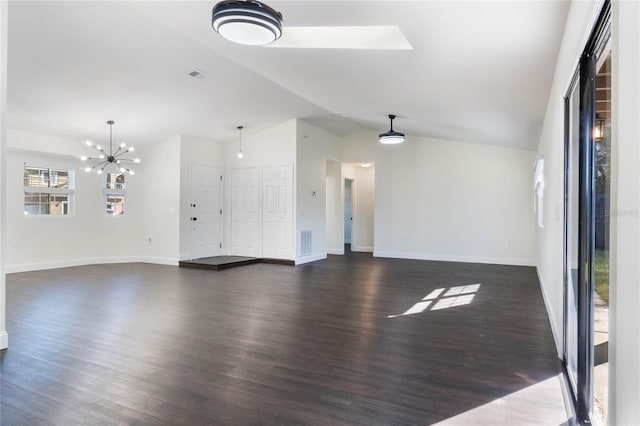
pixel 601 272
pixel 602 184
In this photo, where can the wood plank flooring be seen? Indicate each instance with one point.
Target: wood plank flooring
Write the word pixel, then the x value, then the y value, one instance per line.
pixel 266 344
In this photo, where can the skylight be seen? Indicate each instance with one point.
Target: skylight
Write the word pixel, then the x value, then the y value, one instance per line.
pixel 388 37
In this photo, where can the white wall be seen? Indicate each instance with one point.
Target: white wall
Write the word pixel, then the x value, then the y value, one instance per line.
pixel 314 147
pixel 87 236
pixel 160 173
pixel 624 313
pixel 4 338
pixel 447 200
pixel 334 218
pixel 194 151
pixel 580 19
pixel 363 205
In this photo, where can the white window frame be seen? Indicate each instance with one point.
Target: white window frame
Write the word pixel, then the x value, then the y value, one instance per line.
pixel 114 192
pixel 69 191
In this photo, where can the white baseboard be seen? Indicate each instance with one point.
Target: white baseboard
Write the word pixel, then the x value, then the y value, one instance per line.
pixel 4 340
pixel 335 251
pixel 26 267
pixel 552 319
pixel 159 260
pixel 448 258
pixel 41 266
pixel 364 249
pixel 312 258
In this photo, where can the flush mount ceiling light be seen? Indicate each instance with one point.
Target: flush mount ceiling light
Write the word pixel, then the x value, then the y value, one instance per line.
pixel 247 22
pixel 240 154
pixel 115 159
pixel 391 137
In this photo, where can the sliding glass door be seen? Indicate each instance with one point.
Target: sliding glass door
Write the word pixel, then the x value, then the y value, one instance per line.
pixel 572 210
pixel 584 128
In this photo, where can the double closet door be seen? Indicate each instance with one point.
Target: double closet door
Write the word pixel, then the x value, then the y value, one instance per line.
pixel 262 212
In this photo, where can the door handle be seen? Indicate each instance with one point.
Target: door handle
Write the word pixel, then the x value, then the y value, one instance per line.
pixel 193 219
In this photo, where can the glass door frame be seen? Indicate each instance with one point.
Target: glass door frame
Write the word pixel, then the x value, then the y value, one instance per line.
pixel 585 75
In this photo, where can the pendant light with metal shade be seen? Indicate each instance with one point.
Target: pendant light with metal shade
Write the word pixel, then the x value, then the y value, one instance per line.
pixel 240 154
pixel 391 137
pixel 247 22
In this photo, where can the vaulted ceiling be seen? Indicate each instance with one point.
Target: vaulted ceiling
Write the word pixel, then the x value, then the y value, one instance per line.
pixel 478 71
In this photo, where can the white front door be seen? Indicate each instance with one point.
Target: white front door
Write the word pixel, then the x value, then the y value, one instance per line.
pixel 277 207
pixel 205 213
pixel 245 212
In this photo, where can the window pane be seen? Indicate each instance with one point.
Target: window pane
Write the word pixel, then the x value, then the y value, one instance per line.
pixel 36 177
pixel 59 178
pixel 115 204
pixel 115 181
pixel 58 204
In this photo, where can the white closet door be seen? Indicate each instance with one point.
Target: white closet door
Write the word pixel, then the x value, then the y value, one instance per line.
pixel 245 212
pixel 277 212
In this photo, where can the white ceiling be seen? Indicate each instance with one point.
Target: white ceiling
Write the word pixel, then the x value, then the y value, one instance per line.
pixel 479 71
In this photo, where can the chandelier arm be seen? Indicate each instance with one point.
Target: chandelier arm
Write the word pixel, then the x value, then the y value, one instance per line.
pixel 127 159
pixel 99 164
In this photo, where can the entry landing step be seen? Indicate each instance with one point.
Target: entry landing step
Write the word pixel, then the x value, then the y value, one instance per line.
pixel 218 263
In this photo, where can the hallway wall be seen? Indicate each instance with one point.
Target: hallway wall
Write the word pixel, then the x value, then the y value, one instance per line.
pixel 448 200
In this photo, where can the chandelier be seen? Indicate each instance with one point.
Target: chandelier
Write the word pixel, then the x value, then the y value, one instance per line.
pixel 114 159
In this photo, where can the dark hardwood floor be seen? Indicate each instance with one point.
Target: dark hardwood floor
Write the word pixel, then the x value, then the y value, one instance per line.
pixel 276 345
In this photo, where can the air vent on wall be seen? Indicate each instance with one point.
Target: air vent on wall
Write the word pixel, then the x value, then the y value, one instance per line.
pixel 305 242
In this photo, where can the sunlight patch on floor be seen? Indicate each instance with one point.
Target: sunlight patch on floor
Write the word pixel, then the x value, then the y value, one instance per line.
pixel 538 404
pixel 454 296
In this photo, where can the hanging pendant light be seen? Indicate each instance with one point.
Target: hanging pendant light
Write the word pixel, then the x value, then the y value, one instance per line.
pixel 391 137
pixel 240 154
pixel 246 22
pixel 112 158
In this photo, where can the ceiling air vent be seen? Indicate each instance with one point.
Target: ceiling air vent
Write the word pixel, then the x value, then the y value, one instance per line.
pixel 198 74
